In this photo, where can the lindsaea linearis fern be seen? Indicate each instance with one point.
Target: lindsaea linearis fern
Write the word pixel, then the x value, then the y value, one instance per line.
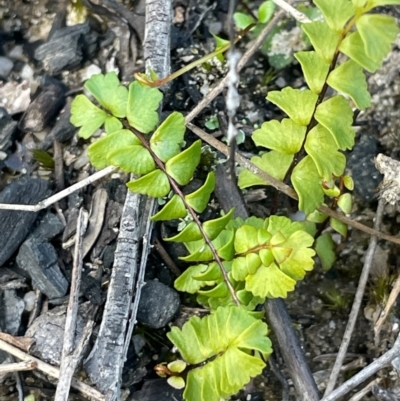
pixel 236 264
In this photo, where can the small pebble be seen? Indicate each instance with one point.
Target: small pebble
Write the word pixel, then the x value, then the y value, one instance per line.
pixel 6 66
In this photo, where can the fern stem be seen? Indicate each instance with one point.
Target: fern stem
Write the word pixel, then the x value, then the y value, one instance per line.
pixel 195 218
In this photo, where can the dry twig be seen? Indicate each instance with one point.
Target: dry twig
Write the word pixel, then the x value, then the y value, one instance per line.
pixel 51 371
pixel 356 304
pixel 70 358
pixel 385 313
pixel 296 14
pixel 367 372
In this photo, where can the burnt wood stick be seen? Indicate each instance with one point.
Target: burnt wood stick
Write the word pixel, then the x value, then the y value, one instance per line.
pixel 107 358
pixel 278 316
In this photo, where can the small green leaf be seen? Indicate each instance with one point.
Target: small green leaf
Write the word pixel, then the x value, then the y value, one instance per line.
pixel 321 146
pixel 349 78
pixel 219 291
pixel 190 233
pixel 315 70
pixel 376 3
pixel 198 199
pixel 336 13
pixel 281 253
pixel 270 282
pixel 112 124
pixel 281 225
pixel 213 227
pixel 317 217
pixel 43 158
pixel 300 259
pixel 224 340
pixel 109 92
pixel 285 136
pixel 154 184
pixel 100 150
pixel 266 256
pixel 353 47
pixel 186 283
pixel 307 183
pixel 177 366
pixel 219 43
pixel 266 11
pixel 263 236
pixel 202 254
pixel 224 244
pixel 277 238
pixel 348 182
pixel 239 269
pixel 242 21
pixel 143 103
pixel 176 382
pixel 361 5
pixel 338 226
pixel 182 166
pixel 377 32
pixel 246 238
pixel 211 274
pixel 333 192
pixel 325 248
pixel 86 115
pixel 134 159
pixel 166 142
pixel 274 163
pixel 298 104
pixel 174 209
pixel 336 116
pixel 323 39
pixel 345 203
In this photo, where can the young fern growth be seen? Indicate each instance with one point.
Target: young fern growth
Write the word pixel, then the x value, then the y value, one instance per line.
pixel 128 116
pixel 306 148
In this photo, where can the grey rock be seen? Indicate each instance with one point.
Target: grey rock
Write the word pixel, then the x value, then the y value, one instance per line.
pixel 7 129
pixel 11 308
pixel 17 224
pixel 138 343
pixel 360 164
pixel 158 304
pixel 6 66
pixel 39 260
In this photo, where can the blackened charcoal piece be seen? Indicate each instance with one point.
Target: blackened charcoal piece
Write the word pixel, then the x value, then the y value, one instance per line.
pixel 7 129
pixel 48 332
pixel 67 48
pixel 39 259
pixel 45 106
pixel 49 227
pixel 157 390
pixel 158 305
pixel 91 289
pixel 64 131
pixel 14 224
pixel 362 169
